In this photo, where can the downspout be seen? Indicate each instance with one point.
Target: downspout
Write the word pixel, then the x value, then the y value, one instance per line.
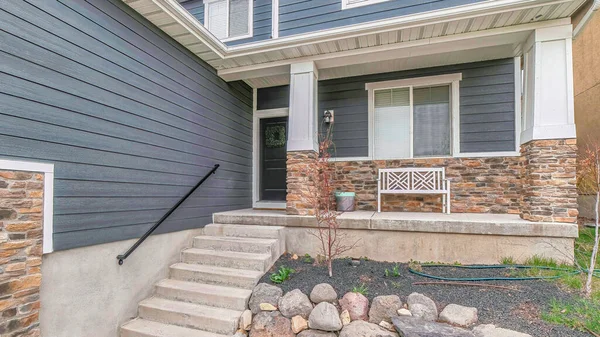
pixel 586 18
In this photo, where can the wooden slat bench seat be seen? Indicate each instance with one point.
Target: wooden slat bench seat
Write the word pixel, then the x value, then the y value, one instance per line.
pixel 427 180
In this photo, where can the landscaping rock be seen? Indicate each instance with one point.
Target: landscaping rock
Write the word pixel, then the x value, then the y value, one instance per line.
pixel 490 330
pixel 458 315
pixel 316 333
pixel 271 324
pixel 365 329
pixel 383 308
pixel 326 317
pixel 422 306
pixel 264 293
pixel 404 312
pixel 267 307
pixel 415 327
pixel 357 306
pixel 323 293
pixel 246 320
pixel 299 324
pixel 295 303
pixel 345 317
pixel 387 326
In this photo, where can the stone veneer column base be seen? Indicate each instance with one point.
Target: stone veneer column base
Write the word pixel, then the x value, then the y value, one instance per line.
pixel 549 192
pixel 21 207
pixel 298 182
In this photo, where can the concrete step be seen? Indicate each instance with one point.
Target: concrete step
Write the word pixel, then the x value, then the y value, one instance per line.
pixel 204 294
pixel 251 261
pixel 196 316
pixel 235 244
pixel 228 277
pixel 143 328
pixel 244 231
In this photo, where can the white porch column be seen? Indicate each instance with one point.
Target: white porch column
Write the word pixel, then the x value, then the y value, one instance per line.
pixel 302 123
pixel 548 109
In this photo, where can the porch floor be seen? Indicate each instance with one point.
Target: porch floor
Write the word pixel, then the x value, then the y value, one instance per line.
pixel 458 223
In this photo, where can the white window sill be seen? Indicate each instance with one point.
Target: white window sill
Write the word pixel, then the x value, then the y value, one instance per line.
pixel 460 155
pixel 235 38
pixel 346 5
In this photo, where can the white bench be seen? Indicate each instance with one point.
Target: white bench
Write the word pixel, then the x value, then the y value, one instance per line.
pixel 428 180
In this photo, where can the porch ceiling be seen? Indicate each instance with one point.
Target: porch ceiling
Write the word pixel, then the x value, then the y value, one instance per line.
pixel 265 63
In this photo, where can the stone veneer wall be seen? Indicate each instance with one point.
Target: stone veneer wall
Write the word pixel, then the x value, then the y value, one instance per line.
pixel 21 207
pixel 478 185
pixel 550 180
pixel 297 182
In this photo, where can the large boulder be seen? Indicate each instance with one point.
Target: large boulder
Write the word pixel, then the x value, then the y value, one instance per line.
pixel 357 306
pixel 326 317
pixel 365 329
pixel 271 324
pixel 458 315
pixel 264 293
pixel 316 333
pixel 490 330
pixel 323 293
pixel 383 308
pixel 295 303
pixel 422 306
pixel 415 327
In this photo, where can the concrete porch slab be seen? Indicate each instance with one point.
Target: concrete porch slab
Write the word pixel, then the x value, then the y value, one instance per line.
pixel 456 223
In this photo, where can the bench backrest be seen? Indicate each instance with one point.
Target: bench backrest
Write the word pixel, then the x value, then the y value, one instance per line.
pixel 412 179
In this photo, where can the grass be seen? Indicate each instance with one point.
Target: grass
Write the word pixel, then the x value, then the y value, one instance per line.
pixel 580 314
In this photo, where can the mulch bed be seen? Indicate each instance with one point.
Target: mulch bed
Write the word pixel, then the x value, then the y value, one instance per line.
pixel 515 310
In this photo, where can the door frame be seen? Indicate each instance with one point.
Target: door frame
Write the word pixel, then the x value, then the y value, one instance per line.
pixel 256 150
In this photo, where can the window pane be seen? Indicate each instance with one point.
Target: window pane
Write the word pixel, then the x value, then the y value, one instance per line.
pixel 217 18
pixel 238 17
pixel 431 118
pixel 392 123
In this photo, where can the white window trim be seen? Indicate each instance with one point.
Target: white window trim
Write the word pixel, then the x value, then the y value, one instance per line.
pixel 449 79
pixel 250 20
pixel 347 5
pixel 48 170
pixel 275 19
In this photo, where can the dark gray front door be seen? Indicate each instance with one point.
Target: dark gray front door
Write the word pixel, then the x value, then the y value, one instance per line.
pixel 273 143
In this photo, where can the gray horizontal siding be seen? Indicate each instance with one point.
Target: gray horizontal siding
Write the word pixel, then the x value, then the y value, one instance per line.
pixel 303 16
pixel 262 19
pixel 130 118
pixel 273 97
pixel 487 107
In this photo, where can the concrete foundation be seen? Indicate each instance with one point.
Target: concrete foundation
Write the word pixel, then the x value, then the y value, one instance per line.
pixel 401 237
pixel 84 291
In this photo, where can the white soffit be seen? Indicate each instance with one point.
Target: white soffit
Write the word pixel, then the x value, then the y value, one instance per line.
pixel 169 16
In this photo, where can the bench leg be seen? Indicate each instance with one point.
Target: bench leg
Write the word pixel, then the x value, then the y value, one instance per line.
pixel 448 199
pixel 444 203
pixel 378 202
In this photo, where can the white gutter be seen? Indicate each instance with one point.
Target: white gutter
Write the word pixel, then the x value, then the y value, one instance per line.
pixel 586 18
pixel 184 18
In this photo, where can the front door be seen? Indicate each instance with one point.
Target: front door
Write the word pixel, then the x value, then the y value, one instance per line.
pixel 273 144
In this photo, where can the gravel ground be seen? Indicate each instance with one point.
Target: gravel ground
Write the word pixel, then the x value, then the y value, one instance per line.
pixel 515 310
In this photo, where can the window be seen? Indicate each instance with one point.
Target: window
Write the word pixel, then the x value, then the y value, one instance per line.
pixel 346 4
pixel 414 118
pixel 229 19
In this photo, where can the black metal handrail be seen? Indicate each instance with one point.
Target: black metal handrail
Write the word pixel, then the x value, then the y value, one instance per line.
pixel 122 257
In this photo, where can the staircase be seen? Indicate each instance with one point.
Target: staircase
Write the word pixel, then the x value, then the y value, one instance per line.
pixel 209 289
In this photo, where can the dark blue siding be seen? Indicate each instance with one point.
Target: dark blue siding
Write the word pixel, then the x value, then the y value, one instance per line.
pixel 273 97
pixel 131 119
pixel 303 16
pixel 487 107
pixel 262 21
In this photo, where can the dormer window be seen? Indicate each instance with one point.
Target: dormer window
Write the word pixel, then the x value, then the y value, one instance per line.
pixel 228 19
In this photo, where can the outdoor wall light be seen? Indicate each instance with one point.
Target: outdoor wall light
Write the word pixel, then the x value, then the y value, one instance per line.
pixel 328 116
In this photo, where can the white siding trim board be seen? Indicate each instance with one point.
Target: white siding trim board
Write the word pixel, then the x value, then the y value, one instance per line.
pixel 48 170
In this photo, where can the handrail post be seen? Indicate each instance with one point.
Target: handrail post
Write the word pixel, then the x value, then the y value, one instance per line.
pixel 122 257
